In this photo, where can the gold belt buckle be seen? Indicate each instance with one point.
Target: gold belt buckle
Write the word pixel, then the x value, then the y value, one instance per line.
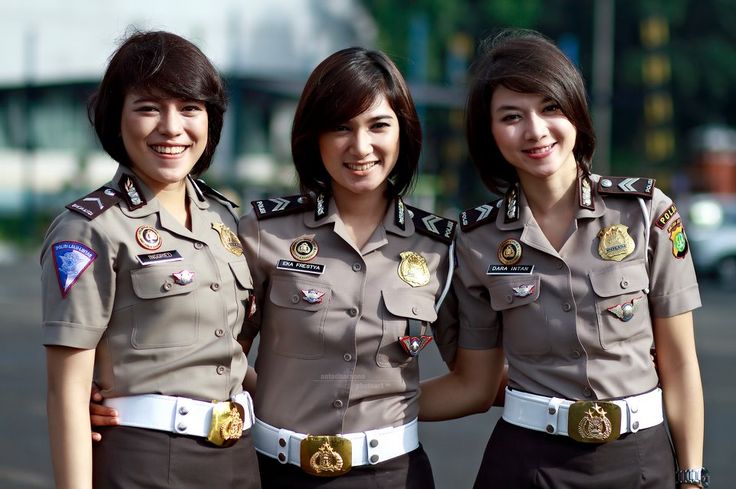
pixel 226 426
pixel 326 456
pixel 594 421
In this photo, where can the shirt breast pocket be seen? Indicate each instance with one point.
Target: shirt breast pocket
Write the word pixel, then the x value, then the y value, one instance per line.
pixel 516 298
pixel 295 312
pixel 398 307
pixel 167 314
pixel 622 308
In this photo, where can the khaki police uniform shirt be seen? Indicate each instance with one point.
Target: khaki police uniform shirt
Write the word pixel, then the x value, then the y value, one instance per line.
pixel 562 324
pixel 334 365
pixel 163 320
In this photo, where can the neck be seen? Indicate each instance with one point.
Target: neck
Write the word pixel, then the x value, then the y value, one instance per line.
pixel 365 207
pixel 550 195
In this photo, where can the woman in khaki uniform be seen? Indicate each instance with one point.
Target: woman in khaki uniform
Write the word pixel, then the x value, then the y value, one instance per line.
pixel 145 283
pixel 573 276
pixel 347 279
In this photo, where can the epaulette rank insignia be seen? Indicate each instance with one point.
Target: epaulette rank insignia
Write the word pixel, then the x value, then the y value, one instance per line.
pixel 280 206
pixel 95 203
pixel 641 187
pixel 432 225
pixel 214 193
pixel 472 218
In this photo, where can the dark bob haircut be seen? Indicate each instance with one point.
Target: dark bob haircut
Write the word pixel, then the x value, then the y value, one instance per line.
pixel 526 62
pixel 344 86
pixel 157 62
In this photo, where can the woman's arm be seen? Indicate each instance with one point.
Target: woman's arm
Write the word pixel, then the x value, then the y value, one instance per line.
pixel 679 375
pixel 69 375
pixel 468 389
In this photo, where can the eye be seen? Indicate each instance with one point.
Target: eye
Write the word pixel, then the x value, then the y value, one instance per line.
pixel 146 108
pixel 340 128
pixel 553 107
pixel 192 108
pixel 511 118
pixel 381 125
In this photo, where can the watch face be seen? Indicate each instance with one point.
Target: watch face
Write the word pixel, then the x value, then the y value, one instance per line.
pixel 704 477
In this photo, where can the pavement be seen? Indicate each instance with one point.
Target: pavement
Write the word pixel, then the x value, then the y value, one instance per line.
pixel 454 447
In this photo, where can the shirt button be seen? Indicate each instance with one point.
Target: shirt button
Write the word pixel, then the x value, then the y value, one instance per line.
pixel 294 299
pixel 576 353
pixel 168 285
pixel 624 283
pixel 566 307
pixel 215 286
pixel 357 267
pixel 337 404
pixel 198 245
pixel 347 357
pixel 352 312
pixel 415 310
pixel 220 370
pixel 219 332
pixel 509 299
pixel 587 392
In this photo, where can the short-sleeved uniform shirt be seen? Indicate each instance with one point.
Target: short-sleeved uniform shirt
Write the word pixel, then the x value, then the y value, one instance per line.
pixel 330 315
pixel 162 305
pixel 575 323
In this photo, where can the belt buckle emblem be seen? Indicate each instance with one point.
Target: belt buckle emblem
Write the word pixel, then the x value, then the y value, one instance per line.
pixel 594 421
pixel 326 456
pixel 226 426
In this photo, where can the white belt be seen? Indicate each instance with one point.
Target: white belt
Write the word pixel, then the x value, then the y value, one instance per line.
pixel 368 447
pixel 179 415
pixel 589 419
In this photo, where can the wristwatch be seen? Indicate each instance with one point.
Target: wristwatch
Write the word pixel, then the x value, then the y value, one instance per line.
pixel 693 476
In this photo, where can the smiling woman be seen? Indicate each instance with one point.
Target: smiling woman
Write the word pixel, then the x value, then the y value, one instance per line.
pixel 145 286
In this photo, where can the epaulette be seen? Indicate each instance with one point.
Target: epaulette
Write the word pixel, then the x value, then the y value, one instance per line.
pixel 472 218
pixel 95 203
pixel 640 187
pixel 280 206
pixel 432 225
pixel 214 193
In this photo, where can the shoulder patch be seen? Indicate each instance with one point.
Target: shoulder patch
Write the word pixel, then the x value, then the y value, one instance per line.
pixel 472 218
pixel 640 187
pixel 432 225
pixel 280 206
pixel 206 189
pixel 71 259
pixel 95 203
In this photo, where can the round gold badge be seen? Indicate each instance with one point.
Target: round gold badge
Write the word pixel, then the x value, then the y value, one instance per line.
pixel 304 248
pixel 615 242
pixel 509 252
pixel 413 269
pixel 148 238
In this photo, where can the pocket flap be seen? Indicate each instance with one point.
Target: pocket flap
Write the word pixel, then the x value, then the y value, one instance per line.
pixel 242 273
pixel 513 291
pixel 156 281
pixel 298 293
pixel 410 304
pixel 620 279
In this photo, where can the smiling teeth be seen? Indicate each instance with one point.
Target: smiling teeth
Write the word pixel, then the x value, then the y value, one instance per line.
pixel 539 150
pixel 360 166
pixel 169 150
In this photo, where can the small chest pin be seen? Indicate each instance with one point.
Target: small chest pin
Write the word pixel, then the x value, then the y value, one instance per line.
pixel 148 238
pixel 509 252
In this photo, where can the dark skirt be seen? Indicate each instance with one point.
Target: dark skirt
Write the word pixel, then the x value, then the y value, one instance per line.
pixel 409 471
pixel 520 458
pixel 138 458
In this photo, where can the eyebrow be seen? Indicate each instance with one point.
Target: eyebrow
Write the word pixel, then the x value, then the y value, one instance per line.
pixel 545 100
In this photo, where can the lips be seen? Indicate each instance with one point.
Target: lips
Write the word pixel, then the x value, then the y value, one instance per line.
pixel 540 151
pixel 360 166
pixel 168 150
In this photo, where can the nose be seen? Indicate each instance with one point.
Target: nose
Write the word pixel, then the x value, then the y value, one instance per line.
pixel 536 127
pixel 361 144
pixel 170 122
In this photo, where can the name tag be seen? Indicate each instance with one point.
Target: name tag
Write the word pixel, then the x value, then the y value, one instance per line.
pixel 298 266
pixel 510 270
pixel 159 257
